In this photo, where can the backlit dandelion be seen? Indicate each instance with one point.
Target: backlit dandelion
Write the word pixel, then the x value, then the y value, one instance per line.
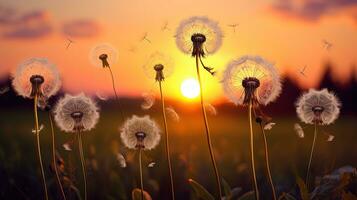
pixel 199 36
pixel 318 107
pixel 140 133
pixel 105 56
pixel 160 66
pixel 76 114
pixel 252 81
pixel 37 79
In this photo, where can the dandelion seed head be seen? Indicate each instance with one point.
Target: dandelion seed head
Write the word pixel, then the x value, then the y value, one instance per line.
pixel 36 76
pixel 211 109
pixel 158 66
pixel 251 78
pixel 318 106
pixel 199 31
pixel 76 113
pixel 103 55
pixel 140 132
pixel 172 114
pixel 149 100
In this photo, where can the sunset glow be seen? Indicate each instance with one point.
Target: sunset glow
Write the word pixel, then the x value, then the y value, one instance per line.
pixel 190 88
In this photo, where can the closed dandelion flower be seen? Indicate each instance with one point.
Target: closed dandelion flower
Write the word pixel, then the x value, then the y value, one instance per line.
pixel 140 133
pixel 318 106
pixel 103 55
pixel 251 78
pixel 158 66
pixel 76 113
pixel 199 36
pixel 36 76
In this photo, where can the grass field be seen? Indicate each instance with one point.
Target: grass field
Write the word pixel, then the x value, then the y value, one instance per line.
pixel 20 179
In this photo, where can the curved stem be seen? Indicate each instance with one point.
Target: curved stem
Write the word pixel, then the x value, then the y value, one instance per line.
pixel 218 180
pixel 81 154
pixel 267 162
pixel 256 191
pixel 311 155
pixel 54 157
pixel 116 95
pixel 167 143
pixel 141 175
pixel 39 146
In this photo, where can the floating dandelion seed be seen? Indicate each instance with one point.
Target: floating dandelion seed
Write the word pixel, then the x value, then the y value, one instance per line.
pixel 251 78
pixel 121 160
pixel 77 114
pixel 299 130
pixel 149 100
pixel 269 126
pixel 165 26
pixel 327 45
pixel 158 66
pixel 4 90
pixel 140 133
pixel 199 36
pixel 145 38
pixel 172 114
pixel 39 130
pixel 211 109
pixel 330 137
pixel 252 81
pixel 233 26
pixel 151 165
pixel 321 107
pixel 302 71
pixel 103 55
pixel 69 42
pixel 67 146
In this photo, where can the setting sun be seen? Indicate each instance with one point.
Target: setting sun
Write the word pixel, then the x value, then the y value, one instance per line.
pixel 190 88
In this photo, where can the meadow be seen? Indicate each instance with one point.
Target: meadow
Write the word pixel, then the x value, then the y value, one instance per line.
pixel 19 171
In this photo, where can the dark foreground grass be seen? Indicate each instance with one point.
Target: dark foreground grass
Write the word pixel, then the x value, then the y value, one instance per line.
pixel 19 173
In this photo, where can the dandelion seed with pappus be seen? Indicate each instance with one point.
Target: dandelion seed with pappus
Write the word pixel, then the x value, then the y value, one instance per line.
pixel 77 114
pixel 252 81
pixel 200 36
pixel 37 79
pixel 317 107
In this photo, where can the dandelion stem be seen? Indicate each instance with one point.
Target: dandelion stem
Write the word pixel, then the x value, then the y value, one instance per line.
pixel 141 175
pixel 167 142
pixel 81 154
pixel 39 146
pixel 210 148
pixel 267 162
pixel 115 92
pixel 256 191
pixel 311 155
pixel 54 156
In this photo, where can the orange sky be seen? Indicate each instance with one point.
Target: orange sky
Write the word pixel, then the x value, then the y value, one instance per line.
pixel 286 37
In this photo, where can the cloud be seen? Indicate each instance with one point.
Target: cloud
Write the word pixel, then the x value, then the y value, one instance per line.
pixel 29 25
pixel 313 10
pixel 81 28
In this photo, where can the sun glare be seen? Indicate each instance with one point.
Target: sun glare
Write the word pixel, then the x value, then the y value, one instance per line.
pixel 190 88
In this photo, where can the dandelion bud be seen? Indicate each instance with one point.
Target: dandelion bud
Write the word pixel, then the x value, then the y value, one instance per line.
pixel 104 59
pixel 159 73
pixel 198 39
pixel 140 136
pixel 36 81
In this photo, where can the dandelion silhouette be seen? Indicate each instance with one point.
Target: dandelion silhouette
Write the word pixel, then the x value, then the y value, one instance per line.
pixel 77 114
pixel 327 45
pixel 317 107
pixel 199 36
pixel 233 26
pixel 252 81
pixel 145 38
pixel 105 55
pixel 140 133
pixel 37 79
pixel 160 66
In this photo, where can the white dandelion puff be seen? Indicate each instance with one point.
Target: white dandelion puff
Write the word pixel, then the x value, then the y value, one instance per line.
pixel 36 76
pixel 76 113
pixel 140 133
pixel 208 30
pixel 211 109
pixel 318 106
pixel 158 66
pixel 120 158
pixel 251 78
pixel 299 130
pixel 149 100
pixel 103 55
pixel 151 165
pixel 39 130
pixel 172 114
pixel 269 126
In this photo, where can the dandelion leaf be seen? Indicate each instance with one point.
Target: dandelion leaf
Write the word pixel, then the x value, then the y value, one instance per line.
pixel 303 189
pixel 200 191
pixel 226 189
pixel 248 196
pixel 136 194
pixel 287 196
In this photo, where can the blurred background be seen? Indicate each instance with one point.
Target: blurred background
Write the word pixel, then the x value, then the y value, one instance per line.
pixel 312 43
